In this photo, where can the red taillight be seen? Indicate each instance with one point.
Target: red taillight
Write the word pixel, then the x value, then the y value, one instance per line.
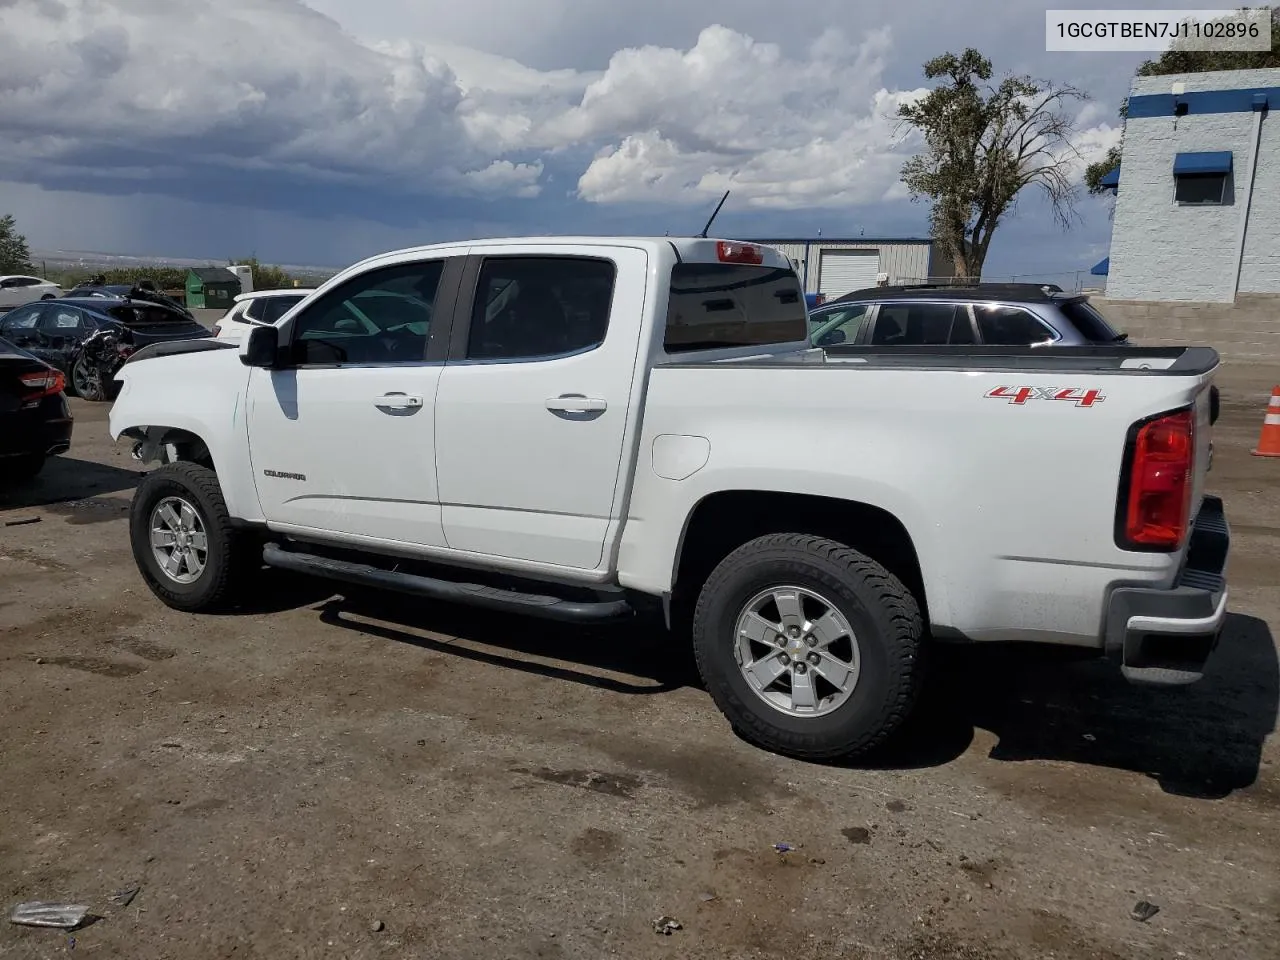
pixel 42 383
pixel 217 329
pixel 728 252
pixel 1157 501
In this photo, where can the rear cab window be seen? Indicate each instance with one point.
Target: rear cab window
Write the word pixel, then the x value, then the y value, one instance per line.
pixel 715 306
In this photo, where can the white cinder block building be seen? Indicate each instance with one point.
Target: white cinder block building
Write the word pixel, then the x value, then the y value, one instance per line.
pixel 1197 214
pixel 834 267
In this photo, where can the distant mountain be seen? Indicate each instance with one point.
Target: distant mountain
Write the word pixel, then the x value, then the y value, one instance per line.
pixel 90 260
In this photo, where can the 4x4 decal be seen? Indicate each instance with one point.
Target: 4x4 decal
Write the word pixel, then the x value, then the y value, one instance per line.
pixel 1080 396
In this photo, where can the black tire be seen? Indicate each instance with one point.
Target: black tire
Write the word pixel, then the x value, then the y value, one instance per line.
pixel 885 619
pixel 21 469
pixel 229 557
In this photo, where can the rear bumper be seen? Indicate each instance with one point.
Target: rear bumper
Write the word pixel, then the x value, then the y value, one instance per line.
pixel 1165 636
pixel 46 430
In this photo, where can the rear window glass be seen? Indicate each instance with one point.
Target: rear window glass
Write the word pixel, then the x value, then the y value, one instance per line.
pixel 718 305
pixel 137 314
pixel 1093 326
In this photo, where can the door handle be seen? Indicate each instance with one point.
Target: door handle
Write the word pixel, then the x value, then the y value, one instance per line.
pixel 575 403
pixel 397 401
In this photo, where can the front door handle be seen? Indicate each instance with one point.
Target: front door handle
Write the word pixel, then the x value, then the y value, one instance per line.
pixel 576 403
pixel 397 401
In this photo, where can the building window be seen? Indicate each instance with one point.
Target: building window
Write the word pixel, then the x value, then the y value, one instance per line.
pixel 1201 178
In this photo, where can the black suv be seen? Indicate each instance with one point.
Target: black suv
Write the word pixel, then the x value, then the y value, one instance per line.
pixel 994 314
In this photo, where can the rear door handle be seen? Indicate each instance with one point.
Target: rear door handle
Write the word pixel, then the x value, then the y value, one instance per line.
pixel 576 403
pixel 397 401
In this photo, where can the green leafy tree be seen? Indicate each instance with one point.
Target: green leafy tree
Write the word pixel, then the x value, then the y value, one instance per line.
pixel 1177 59
pixel 984 144
pixel 15 256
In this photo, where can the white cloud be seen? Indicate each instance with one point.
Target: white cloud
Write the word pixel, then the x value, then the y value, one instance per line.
pixel 161 93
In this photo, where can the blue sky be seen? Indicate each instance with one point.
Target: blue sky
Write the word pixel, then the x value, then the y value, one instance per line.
pixel 324 131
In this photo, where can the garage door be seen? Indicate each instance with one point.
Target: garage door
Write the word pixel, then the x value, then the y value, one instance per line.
pixel 841 271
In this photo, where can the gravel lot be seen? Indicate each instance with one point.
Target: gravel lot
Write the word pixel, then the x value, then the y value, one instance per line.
pixel 363 777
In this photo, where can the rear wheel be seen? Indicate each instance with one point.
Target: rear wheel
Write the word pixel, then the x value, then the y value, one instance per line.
pixel 183 542
pixel 809 648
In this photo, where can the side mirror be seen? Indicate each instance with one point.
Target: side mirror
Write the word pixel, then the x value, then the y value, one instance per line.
pixel 261 348
pixel 832 338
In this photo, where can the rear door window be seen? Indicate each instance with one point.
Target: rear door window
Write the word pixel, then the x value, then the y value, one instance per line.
pixel 922 324
pixel 58 320
pixel 719 305
pixel 1007 326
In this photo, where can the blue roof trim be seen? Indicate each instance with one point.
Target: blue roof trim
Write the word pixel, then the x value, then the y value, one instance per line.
pixel 1204 101
pixel 1101 268
pixel 1111 178
pixel 1215 162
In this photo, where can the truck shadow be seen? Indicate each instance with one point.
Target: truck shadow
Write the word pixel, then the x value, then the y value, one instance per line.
pixel 65 479
pixel 1204 740
pixel 643 658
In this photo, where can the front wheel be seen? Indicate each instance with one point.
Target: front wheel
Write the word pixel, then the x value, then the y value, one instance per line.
pixel 185 547
pixel 809 648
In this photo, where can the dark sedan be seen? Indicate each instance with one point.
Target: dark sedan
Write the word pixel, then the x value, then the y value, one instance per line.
pixel 125 291
pixel 35 423
pixel 54 331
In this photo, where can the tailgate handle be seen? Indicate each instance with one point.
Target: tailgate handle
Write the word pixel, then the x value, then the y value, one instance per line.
pixel 397 401
pixel 576 403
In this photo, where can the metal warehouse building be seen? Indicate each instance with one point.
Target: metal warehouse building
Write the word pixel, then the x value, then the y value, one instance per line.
pixel 834 267
pixel 1197 214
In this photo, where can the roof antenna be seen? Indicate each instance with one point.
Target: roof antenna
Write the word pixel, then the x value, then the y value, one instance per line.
pixel 703 234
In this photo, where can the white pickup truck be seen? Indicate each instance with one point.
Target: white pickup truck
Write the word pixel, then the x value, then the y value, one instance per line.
pixel 590 428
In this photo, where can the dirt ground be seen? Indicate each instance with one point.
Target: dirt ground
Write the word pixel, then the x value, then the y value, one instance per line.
pixel 359 777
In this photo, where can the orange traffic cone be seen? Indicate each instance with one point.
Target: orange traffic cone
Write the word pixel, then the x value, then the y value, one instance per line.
pixel 1269 442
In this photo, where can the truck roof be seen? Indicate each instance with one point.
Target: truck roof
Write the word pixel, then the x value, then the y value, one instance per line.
pixel 693 249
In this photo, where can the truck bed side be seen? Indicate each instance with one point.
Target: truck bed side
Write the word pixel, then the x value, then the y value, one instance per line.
pixel 1005 473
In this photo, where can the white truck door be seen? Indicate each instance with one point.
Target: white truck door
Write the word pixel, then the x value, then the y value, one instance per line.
pixel 534 402
pixel 342 436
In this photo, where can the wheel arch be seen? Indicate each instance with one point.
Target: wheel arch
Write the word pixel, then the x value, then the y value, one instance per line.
pixel 722 521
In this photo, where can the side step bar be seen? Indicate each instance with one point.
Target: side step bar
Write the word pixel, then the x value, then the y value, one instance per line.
pixel 473 594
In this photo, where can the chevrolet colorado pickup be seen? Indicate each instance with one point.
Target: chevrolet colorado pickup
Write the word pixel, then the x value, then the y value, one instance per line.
pixel 590 428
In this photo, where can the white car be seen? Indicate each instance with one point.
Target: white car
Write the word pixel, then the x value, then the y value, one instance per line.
pixel 257 307
pixel 595 427
pixel 17 291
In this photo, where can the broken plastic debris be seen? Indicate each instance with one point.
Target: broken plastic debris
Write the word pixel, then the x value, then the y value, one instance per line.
pixel 1143 911
pixel 786 847
pixel 40 913
pixel 122 898
pixel 666 926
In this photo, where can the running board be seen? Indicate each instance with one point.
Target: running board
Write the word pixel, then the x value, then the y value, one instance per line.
pixel 472 594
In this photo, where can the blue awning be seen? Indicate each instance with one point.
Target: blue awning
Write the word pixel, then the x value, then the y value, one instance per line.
pixel 1215 162
pixel 1111 178
pixel 1100 268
